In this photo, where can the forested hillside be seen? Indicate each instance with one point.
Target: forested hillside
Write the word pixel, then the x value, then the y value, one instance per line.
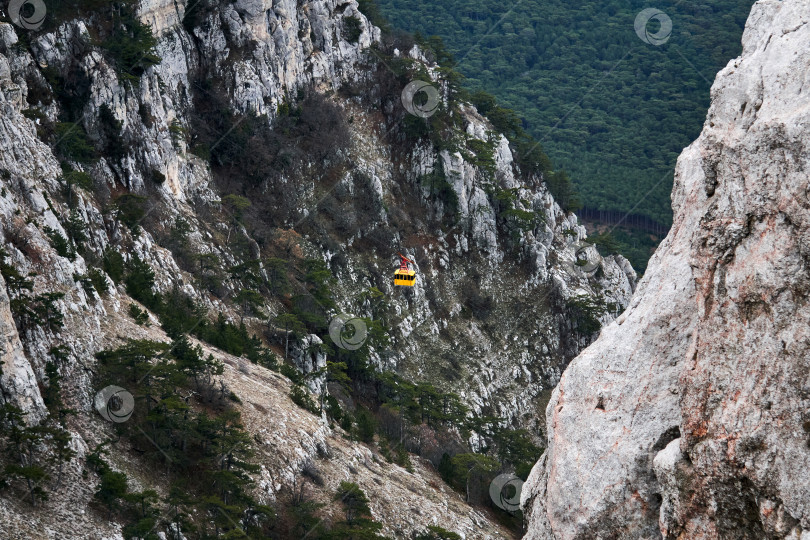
pixel 612 110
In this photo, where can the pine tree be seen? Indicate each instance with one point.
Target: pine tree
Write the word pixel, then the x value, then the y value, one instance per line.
pixel 111 490
pixel 354 501
pixel 291 325
pixel 140 281
pixel 22 444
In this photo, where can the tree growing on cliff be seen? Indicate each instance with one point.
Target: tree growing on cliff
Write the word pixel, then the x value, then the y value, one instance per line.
pixel 22 446
pixel 292 325
pixel 473 471
pixel 40 310
pixel 131 44
pixel 130 209
pixel 358 524
pixel 250 302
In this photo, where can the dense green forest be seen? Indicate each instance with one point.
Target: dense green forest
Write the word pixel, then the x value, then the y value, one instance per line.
pixel 607 107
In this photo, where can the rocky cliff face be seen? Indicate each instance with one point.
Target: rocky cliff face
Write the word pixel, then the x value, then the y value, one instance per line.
pixel 262 56
pixel 688 417
pixel 489 317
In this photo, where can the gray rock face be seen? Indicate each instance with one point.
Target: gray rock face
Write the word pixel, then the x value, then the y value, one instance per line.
pixel 18 383
pixel 497 366
pixel 500 354
pixel 689 417
pixel 308 357
pixel 503 361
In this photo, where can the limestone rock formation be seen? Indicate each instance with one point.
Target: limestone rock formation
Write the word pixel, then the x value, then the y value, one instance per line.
pixel 489 319
pixel 689 417
pixel 18 383
pixel 309 359
pixel 296 47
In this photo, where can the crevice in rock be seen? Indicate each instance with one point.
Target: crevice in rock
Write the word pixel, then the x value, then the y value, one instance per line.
pixel 667 437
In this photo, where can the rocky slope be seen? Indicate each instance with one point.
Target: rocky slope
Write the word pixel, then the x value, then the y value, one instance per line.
pixel 689 416
pixel 489 317
pixel 287 439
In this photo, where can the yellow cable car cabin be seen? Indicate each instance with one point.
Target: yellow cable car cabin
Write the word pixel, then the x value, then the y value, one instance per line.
pixel 404 276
